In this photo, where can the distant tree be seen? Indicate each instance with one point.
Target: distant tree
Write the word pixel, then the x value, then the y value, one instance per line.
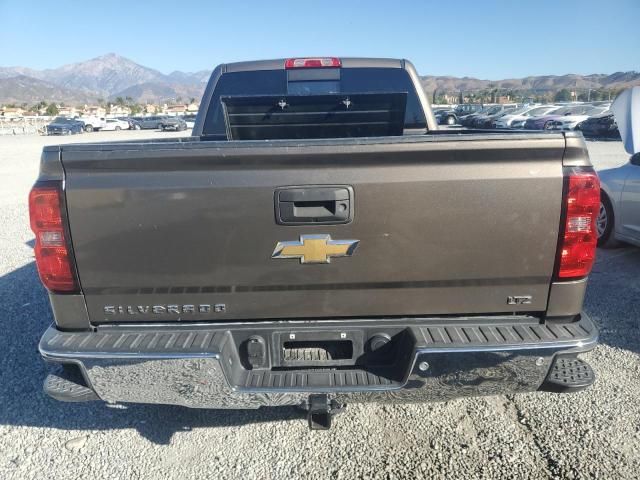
pixel 544 97
pixel 192 100
pixel 135 108
pixel 52 110
pixel 38 106
pixel 120 101
pixel 612 94
pixel 563 95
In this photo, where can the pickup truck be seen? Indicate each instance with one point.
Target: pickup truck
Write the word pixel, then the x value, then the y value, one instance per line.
pixel 93 123
pixel 316 241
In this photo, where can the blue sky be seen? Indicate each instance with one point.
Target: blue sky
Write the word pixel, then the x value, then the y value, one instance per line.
pixel 490 39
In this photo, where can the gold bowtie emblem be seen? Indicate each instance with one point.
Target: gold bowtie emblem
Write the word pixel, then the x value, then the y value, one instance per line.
pixel 315 249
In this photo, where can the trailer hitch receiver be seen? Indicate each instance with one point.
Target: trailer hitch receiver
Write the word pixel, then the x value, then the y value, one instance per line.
pixel 320 411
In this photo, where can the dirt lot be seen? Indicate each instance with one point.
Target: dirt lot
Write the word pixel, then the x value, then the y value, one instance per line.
pixel 593 434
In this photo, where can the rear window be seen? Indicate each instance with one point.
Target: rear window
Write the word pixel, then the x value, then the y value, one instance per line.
pixel 352 80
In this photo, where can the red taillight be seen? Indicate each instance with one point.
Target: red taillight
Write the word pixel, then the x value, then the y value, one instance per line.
pixel 319 62
pixel 53 258
pixel 579 237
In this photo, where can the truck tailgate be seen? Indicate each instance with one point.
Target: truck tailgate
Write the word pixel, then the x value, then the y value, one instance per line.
pixel 445 224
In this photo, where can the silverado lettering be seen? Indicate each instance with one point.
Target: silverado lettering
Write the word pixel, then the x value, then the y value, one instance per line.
pixel 163 309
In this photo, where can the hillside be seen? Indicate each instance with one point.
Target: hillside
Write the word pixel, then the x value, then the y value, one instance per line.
pixel 22 89
pixel 543 83
pixel 110 76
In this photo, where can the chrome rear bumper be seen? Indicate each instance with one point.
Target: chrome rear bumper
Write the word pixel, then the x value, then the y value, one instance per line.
pixel 201 366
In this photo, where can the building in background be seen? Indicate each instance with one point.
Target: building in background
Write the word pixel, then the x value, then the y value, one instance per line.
pixel 119 110
pixel 12 112
pixel 64 111
pixel 94 111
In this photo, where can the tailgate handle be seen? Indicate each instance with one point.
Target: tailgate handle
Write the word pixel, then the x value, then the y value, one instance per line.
pixel 314 205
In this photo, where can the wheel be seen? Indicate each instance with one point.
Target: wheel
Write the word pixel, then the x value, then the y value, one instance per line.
pixel 161 127
pixel 605 223
pixel 88 128
pixel 117 128
pixel 451 120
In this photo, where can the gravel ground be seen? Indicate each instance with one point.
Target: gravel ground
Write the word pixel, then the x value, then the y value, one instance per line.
pixel 593 434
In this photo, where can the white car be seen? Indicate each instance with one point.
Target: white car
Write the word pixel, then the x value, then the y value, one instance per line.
pixel 92 123
pixel 570 122
pixel 115 124
pixel 516 119
pixel 619 214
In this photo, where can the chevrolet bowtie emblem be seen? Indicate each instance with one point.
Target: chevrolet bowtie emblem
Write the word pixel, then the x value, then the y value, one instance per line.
pixel 315 249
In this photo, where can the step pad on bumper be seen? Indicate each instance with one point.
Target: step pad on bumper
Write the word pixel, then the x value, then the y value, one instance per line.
pixel 68 386
pixel 568 374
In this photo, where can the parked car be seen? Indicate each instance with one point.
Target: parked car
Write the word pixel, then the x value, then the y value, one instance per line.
pixel 92 123
pixel 570 122
pixel 619 215
pixel 467 120
pixel 151 122
pixel 600 126
pixel 400 262
pixel 445 116
pixel 486 120
pixel 467 109
pixel 517 118
pixel 173 123
pixel 135 124
pixel 190 119
pixel 131 122
pixel 65 126
pixel 541 122
pixel 115 124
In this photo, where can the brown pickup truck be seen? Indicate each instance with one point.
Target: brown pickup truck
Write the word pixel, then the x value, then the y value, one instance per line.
pixel 316 241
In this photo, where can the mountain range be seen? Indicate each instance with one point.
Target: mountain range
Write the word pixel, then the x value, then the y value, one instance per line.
pixel 111 76
pixel 106 77
pixel 540 83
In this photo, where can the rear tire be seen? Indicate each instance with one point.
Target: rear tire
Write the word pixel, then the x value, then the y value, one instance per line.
pixel 117 128
pixel 605 223
pixel 88 128
pixel 451 120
